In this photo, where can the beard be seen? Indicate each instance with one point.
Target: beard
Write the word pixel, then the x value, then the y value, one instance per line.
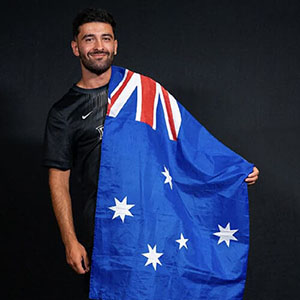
pixel 97 66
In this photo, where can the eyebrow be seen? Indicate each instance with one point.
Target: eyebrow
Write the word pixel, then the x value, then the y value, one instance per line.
pixel 93 35
pixel 107 35
pixel 87 35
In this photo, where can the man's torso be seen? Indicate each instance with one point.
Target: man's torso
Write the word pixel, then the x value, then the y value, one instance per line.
pixel 73 140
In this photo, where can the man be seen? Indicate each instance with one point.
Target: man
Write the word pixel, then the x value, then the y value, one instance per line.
pixel 75 127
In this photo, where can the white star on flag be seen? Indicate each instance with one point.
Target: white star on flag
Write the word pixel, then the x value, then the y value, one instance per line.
pixel 168 177
pixel 226 234
pixel 121 209
pixel 152 256
pixel 182 242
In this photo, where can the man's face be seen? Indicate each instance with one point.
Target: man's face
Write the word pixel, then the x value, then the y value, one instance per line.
pixel 96 46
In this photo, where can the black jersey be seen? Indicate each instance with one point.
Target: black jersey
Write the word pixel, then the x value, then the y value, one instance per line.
pixel 73 139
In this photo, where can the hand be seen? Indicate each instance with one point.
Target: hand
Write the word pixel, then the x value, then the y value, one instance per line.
pixel 252 177
pixel 77 258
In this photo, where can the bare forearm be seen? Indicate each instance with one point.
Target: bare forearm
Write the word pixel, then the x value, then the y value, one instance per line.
pixel 61 202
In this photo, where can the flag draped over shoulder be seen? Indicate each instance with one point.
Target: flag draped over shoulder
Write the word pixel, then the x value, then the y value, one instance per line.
pixel 172 217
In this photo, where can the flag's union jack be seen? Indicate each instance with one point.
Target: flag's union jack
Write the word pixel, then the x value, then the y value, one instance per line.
pixel 149 93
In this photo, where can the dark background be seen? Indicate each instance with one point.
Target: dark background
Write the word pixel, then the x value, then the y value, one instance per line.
pixel 233 64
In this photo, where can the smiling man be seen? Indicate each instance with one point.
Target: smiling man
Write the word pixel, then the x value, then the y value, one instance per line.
pixel 96 46
pixel 74 134
pixel 75 128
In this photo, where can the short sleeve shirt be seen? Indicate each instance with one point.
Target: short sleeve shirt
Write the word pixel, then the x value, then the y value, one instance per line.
pixel 73 139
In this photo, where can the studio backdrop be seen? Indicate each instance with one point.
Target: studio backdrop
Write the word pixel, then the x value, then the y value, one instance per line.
pixel 234 65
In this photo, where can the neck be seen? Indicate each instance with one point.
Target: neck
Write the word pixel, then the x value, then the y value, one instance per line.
pixel 90 80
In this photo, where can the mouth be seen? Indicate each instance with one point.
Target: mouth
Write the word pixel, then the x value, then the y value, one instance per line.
pixel 98 55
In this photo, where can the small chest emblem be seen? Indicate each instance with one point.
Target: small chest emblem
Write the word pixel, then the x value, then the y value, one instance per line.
pixel 85 116
pixel 100 130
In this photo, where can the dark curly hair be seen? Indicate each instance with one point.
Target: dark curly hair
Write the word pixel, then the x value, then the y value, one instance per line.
pixel 88 15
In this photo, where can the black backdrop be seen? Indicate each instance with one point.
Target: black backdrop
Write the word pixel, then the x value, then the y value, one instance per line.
pixel 233 64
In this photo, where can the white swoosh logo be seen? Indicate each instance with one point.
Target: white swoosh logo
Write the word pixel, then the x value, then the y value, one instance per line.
pixel 85 116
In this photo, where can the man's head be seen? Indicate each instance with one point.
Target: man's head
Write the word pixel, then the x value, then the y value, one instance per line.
pixel 94 40
pixel 89 15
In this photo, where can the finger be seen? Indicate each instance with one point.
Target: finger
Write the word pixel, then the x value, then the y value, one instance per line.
pixel 250 183
pixel 251 179
pixel 253 174
pixel 86 263
pixel 77 266
pixel 255 171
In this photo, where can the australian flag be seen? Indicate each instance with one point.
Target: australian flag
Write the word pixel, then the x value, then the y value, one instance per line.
pixel 172 216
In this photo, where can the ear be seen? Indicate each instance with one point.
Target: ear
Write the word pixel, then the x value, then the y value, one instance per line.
pixel 115 47
pixel 74 46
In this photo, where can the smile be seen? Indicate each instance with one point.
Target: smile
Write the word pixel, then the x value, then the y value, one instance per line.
pixel 96 55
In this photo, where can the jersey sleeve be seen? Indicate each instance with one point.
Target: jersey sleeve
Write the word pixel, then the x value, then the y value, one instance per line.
pixel 57 142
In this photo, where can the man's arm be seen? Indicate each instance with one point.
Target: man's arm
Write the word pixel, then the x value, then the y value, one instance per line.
pixel 61 202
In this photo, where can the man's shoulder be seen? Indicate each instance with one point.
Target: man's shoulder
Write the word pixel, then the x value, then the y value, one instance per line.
pixel 66 100
pixel 121 76
pixel 121 71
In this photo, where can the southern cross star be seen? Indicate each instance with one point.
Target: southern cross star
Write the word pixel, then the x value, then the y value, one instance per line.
pixel 121 209
pixel 182 242
pixel 168 177
pixel 152 256
pixel 226 234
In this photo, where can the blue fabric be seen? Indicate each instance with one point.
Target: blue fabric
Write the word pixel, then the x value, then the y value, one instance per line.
pixel 208 190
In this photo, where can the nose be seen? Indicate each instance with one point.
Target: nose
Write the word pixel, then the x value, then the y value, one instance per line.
pixel 98 45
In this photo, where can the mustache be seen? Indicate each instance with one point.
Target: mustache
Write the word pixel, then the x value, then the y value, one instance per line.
pixel 98 52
